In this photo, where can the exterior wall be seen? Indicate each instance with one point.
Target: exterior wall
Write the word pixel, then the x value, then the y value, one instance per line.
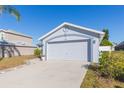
pixel 22 45
pixel 95 47
pixel 10 51
pixel 26 50
pixel 66 34
pixel 2 35
pixel 18 39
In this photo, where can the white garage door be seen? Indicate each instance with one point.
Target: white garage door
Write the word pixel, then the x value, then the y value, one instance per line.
pixel 71 50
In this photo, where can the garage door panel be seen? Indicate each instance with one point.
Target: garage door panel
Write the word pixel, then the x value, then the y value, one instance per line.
pixel 67 50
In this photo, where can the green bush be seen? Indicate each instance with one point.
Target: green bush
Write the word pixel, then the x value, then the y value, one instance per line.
pixel 37 52
pixel 106 43
pixel 112 65
pixel 104 64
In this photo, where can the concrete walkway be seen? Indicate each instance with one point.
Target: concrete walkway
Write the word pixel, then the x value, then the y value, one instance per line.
pixel 39 74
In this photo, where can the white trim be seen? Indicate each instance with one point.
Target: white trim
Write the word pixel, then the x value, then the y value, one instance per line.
pixel 58 27
pixel 69 24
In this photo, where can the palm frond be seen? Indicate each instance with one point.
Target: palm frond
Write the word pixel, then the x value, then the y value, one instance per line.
pixel 1 9
pixel 11 10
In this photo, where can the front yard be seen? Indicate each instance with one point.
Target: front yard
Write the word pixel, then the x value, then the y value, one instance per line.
pixel 14 61
pixel 108 74
pixel 93 80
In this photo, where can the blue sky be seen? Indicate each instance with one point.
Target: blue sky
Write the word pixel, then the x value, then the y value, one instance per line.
pixel 38 20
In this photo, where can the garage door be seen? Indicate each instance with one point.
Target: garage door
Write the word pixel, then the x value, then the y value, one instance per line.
pixel 69 50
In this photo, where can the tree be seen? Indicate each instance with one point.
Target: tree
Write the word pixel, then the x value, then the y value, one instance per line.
pixel 106 36
pixel 11 10
pixel 105 41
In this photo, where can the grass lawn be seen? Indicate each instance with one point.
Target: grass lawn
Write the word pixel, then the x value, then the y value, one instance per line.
pixel 14 61
pixel 93 80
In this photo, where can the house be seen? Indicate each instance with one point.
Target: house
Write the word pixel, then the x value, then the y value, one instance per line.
pixel 120 46
pixel 15 44
pixel 71 42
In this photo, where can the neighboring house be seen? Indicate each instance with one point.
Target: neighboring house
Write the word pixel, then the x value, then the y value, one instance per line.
pixel 120 46
pixel 71 42
pixel 15 44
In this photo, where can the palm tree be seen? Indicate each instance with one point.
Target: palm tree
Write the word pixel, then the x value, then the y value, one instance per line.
pixel 12 11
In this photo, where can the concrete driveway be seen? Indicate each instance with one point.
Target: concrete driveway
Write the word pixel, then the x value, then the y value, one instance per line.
pixel 39 74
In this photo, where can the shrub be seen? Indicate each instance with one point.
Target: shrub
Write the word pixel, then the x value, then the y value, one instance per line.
pixel 106 43
pixel 37 52
pixel 112 65
pixel 104 64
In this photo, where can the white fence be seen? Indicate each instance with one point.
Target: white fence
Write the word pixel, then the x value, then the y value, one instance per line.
pixel 106 48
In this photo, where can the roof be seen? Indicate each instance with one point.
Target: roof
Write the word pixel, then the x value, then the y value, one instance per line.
pixel 121 44
pixel 71 25
pixel 14 32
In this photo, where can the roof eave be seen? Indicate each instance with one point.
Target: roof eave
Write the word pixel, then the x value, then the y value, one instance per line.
pixel 69 24
pixel 58 27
